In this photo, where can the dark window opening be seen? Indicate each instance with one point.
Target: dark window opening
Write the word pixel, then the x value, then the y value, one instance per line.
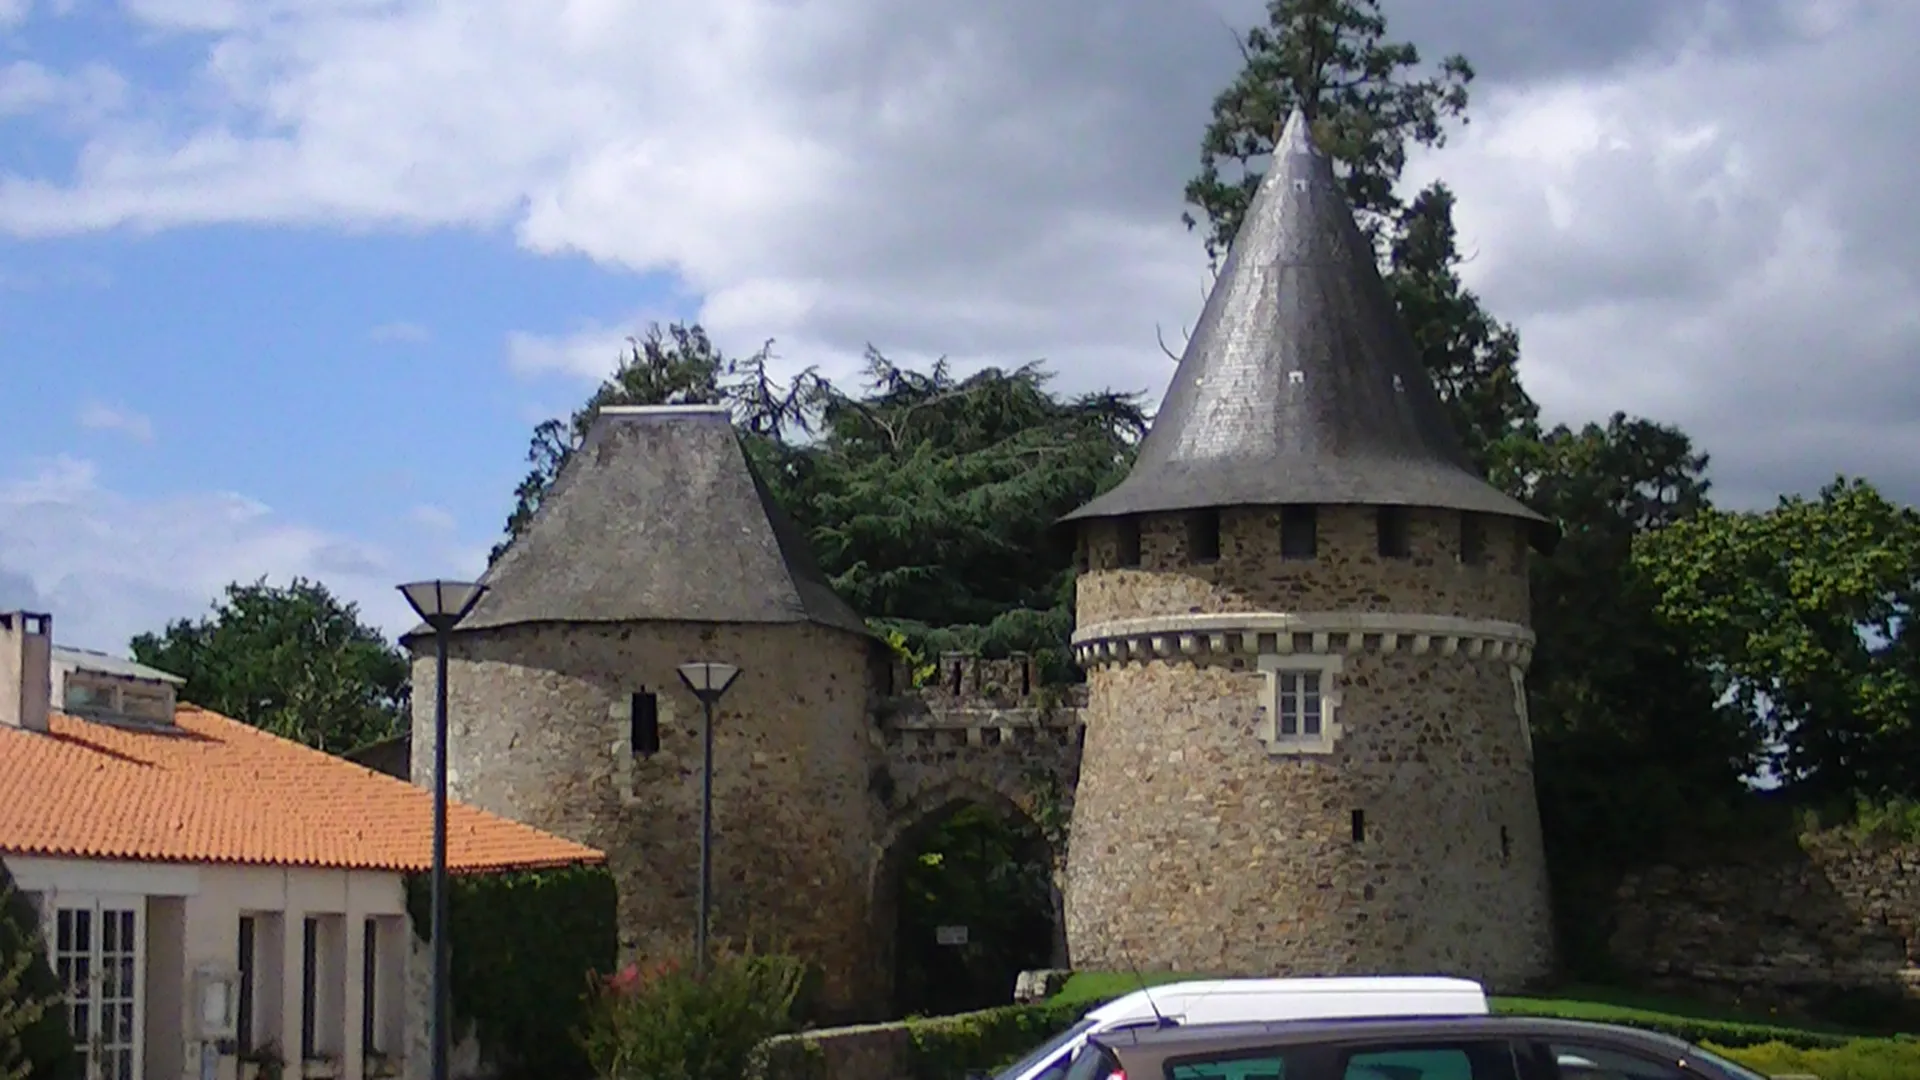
pixel 1203 536
pixel 1127 542
pixel 309 986
pixel 1359 826
pixel 1473 539
pixel 646 724
pixel 1026 676
pixel 1299 532
pixel 369 982
pixel 243 1012
pixel 1506 845
pixel 954 682
pixel 1391 523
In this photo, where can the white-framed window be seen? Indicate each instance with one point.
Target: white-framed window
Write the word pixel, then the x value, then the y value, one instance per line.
pixel 1300 710
pixel 98 948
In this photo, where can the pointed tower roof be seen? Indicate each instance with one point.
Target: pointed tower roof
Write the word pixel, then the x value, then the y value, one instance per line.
pixel 1300 383
pixel 660 516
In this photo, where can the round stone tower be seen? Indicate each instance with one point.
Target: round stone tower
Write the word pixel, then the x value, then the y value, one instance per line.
pixel 659 546
pixel 1303 618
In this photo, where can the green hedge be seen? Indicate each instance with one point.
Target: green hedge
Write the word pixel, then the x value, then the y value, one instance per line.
pixel 1694 1029
pixel 1861 1059
pixel 523 946
pixel 941 1047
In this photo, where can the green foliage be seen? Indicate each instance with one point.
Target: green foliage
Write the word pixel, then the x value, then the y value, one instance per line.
pixel 1331 59
pixel 296 661
pixel 661 1020
pixel 1804 610
pixel 991 873
pixel 923 669
pixel 1862 1059
pixel 524 946
pixel 1631 741
pixel 33 1030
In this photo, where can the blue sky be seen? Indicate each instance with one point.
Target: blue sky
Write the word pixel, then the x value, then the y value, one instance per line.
pixel 285 284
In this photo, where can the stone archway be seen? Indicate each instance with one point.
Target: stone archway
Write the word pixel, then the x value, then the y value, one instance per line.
pixel 1022 927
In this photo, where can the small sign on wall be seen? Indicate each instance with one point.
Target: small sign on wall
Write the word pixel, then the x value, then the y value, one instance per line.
pixel 950 935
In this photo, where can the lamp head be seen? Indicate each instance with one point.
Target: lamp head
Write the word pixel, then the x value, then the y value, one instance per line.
pixel 708 680
pixel 442 604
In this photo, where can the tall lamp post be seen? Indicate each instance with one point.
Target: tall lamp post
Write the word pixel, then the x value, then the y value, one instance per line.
pixel 708 681
pixel 441 605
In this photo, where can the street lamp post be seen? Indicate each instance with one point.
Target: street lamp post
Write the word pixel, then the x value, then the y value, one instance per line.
pixel 708 681
pixel 441 605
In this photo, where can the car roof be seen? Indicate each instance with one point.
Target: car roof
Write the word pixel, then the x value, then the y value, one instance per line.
pixel 1163 1042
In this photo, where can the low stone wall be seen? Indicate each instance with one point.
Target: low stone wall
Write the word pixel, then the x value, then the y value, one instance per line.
pixel 1793 926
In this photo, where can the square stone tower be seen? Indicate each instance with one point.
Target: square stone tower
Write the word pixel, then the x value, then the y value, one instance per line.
pixel 1304 619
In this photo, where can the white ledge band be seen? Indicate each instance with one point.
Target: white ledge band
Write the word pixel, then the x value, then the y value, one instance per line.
pixel 1312 633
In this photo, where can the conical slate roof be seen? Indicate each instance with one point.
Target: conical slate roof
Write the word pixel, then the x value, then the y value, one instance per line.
pixel 1300 384
pixel 659 516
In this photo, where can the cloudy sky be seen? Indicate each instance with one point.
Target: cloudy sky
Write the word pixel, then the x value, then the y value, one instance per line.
pixel 285 283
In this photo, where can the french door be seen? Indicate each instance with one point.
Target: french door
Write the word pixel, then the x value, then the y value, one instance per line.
pixel 98 947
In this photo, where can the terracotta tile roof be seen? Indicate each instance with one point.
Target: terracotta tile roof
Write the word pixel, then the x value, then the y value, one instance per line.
pixel 219 791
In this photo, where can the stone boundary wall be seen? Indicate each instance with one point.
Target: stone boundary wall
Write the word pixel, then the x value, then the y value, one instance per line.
pixel 1788 928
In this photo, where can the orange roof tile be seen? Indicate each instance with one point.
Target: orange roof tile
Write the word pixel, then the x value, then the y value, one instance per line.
pixel 219 791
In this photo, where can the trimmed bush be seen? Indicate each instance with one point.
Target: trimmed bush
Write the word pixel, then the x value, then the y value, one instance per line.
pixel 1861 1059
pixel 660 1020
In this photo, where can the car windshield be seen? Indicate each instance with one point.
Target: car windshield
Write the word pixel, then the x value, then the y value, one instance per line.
pixel 1733 1068
pixel 1047 1049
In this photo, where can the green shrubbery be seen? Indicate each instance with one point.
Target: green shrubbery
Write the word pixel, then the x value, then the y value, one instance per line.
pixel 524 949
pixel 33 1031
pixel 1861 1059
pixel 661 1020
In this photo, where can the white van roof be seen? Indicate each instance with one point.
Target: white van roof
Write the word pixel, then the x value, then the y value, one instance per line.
pixel 1308 997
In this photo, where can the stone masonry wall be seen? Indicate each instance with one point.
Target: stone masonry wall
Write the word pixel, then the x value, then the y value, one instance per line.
pixel 1786 926
pixel 539 731
pixel 1349 575
pixel 1197 848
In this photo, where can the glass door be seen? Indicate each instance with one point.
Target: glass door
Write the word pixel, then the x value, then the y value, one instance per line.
pixel 96 953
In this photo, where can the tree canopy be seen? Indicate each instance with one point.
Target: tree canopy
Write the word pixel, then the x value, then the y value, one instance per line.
pixel 1802 612
pixel 293 660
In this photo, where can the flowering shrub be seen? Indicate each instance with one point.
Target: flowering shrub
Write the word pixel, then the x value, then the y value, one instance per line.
pixel 659 1019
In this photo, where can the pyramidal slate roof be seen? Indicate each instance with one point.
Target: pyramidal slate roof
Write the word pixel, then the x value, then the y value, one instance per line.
pixel 1300 383
pixel 659 516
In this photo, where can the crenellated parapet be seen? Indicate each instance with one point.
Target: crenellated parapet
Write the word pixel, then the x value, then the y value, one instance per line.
pixel 977 702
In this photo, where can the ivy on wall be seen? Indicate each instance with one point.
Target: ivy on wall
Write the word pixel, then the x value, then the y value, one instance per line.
pixel 524 946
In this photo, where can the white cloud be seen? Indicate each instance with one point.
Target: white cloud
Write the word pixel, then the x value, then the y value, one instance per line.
pixel 13 12
pixel 1700 213
pixel 434 517
pixel 1722 242
pixel 409 333
pixel 98 416
pixel 83 97
pixel 108 566
pixel 587 353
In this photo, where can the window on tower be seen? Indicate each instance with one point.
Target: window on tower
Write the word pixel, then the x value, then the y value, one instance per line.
pixel 1473 539
pixel 1127 541
pixel 1391 524
pixel 1301 703
pixel 1298 705
pixel 1299 532
pixel 1203 536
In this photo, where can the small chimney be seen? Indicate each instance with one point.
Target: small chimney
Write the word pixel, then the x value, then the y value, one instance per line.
pixel 26 670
